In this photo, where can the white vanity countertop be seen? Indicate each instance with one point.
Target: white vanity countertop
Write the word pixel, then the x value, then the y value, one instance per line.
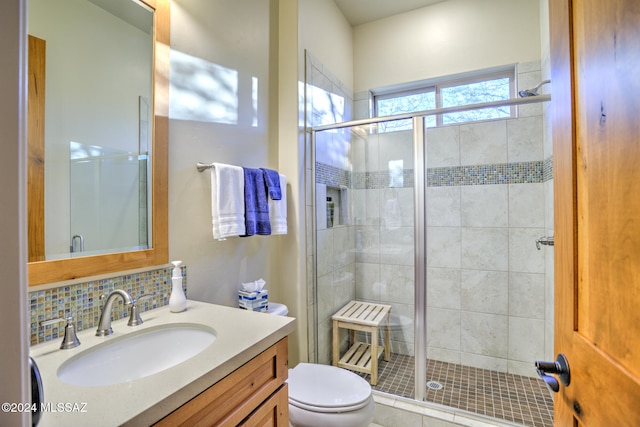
pixel 240 336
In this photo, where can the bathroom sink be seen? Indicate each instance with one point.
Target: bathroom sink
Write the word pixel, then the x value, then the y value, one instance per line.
pixel 136 355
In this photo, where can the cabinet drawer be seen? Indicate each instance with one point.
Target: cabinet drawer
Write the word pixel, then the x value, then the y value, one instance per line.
pixel 272 413
pixel 236 396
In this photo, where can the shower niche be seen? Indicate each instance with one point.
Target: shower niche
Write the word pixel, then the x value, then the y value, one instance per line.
pixel 332 206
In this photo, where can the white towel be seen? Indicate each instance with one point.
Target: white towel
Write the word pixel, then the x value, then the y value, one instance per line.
pixel 227 201
pixel 278 210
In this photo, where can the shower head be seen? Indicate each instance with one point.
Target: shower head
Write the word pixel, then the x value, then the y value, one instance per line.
pixel 534 91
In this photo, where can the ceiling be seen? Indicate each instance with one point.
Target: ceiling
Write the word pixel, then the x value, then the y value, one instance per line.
pixel 362 11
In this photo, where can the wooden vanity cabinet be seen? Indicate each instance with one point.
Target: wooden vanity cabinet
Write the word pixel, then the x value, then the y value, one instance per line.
pixel 253 395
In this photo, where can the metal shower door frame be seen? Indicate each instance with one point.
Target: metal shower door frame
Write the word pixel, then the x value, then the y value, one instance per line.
pixel 420 242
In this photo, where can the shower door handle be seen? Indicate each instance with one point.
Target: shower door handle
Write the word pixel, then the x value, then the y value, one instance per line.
pixel 560 368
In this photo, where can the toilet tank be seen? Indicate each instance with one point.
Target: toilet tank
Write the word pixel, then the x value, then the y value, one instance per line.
pixel 277 309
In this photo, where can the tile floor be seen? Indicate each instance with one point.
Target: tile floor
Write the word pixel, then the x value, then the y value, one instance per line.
pixel 513 398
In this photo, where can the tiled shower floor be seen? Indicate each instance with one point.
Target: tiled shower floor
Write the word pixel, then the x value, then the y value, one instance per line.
pixel 509 397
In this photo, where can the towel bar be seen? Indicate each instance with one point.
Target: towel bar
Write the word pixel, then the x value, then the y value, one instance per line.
pixel 203 166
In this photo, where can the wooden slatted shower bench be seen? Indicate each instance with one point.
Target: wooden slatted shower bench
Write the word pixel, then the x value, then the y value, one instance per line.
pixel 365 317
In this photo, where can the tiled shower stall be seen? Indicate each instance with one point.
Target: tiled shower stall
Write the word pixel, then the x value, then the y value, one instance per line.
pixel 485 210
pixel 487 186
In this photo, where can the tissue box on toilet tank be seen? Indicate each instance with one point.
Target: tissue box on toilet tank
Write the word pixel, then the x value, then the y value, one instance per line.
pixel 254 301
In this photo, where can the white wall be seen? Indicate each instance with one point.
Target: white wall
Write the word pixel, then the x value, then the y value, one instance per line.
pixel 326 34
pixel 213 42
pixel 249 45
pixel 13 227
pixel 447 38
pixel 544 29
pixel 290 151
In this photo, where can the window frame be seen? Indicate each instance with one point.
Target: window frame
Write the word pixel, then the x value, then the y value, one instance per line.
pixel 437 84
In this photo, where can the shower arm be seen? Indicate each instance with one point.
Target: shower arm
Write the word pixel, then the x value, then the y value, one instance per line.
pixel 542 83
pixel 533 92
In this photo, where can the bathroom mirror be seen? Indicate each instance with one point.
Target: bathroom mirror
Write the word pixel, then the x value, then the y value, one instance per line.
pixel 97 137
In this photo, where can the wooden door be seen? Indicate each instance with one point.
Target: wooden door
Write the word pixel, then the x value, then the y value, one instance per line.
pixel 595 61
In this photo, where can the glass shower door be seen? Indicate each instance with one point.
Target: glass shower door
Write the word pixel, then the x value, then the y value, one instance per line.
pixel 366 240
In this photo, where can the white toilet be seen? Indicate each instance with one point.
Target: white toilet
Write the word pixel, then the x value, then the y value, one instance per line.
pixel 321 395
pixel 326 396
pixel 277 309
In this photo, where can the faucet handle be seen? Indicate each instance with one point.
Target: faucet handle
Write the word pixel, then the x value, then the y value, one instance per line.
pixel 134 310
pixel 70 339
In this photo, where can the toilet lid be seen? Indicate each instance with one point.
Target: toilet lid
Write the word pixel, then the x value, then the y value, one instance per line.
pixel 321 386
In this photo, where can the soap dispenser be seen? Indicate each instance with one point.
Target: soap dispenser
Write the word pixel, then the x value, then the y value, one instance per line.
pixel 177 300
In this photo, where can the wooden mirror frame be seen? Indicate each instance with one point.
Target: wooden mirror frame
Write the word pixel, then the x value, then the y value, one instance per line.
pixel 42 272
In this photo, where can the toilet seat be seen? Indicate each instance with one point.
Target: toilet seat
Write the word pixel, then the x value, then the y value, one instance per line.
pixel 322 388
pixel 332 410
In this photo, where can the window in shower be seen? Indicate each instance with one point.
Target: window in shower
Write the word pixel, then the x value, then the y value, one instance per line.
pixel 405 102
pixel 448 92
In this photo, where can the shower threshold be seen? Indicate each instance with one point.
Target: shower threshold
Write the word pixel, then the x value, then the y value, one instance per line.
pixel 514 398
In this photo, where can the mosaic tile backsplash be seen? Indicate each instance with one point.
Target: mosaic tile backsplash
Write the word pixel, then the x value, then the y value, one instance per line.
pixel 82 301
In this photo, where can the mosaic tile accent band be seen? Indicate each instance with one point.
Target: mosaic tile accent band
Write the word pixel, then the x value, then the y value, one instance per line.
pixel 332 176
pixel 82 301
pixel 547 169
pixel 503 173
pixel 381 179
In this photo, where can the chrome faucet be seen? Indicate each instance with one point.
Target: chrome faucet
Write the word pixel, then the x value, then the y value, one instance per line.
pixel 104 325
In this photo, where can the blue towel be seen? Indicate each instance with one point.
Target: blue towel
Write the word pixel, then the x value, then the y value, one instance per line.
pixel 272 180
pixel 256 204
